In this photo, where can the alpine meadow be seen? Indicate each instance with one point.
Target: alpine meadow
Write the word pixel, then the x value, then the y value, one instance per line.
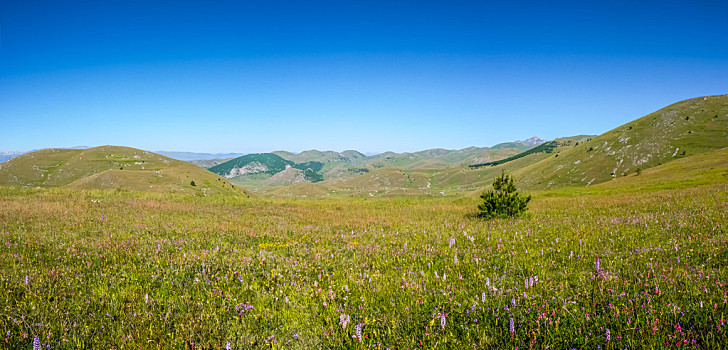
pixel 389 175
pixel 634 262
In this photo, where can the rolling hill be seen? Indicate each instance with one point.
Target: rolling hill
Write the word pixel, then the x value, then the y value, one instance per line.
pixel 113 167
pixel 683 129
pixel 257 168
pixel 281 168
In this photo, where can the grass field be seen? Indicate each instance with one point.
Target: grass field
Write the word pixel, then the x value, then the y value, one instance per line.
pixel 126 270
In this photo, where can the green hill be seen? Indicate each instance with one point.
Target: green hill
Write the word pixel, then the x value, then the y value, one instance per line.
pixel 683 129
pixel 113 167
pixel 259 170
pixel 267 163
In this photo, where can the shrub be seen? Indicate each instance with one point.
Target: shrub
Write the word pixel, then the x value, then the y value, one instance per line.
pixel 503 201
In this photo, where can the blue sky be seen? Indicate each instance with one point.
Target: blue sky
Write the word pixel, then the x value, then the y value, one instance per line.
pixel 257 76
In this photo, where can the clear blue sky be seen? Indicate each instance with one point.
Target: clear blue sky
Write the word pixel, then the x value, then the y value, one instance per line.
pixel 257 76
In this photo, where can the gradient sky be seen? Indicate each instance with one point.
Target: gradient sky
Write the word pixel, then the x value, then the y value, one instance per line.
pixel 258 76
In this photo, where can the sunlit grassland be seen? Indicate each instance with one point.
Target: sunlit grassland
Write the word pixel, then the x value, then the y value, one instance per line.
pixel 128 270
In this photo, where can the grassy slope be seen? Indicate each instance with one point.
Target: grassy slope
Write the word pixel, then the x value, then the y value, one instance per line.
pixel 695 126
pixel 112 167
pixel 698 170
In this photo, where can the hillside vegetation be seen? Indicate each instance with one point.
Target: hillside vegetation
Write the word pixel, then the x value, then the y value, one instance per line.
pixel 680 130
pixel 112 167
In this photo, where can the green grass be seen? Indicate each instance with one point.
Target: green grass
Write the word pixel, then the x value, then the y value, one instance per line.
pixel 109 269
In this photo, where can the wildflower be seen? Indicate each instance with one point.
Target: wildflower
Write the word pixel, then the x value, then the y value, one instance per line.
pixel 227 346
pixel 451 242
pixel 512 327
pixel 513 301
pixel 146 298
pixel 344 320
pixel 487 281
pixel 36 343
pixel 609 335
pixel 596 264
pixel 26 280
pixel 482 297
pixel 456 259
pixel 358 331
pixel 442 321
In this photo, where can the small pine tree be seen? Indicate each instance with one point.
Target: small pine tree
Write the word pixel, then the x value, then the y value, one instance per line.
pixel 503 201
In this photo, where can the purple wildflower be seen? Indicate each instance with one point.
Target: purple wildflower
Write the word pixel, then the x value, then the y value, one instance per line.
pixel 358 332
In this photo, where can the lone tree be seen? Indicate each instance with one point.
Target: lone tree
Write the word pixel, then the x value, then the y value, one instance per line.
pixel 503 201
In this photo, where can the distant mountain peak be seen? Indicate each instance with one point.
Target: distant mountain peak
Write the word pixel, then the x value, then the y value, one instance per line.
pixel 531 142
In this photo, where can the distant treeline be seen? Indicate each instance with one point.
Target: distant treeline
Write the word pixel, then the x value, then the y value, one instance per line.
pixel 547 147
